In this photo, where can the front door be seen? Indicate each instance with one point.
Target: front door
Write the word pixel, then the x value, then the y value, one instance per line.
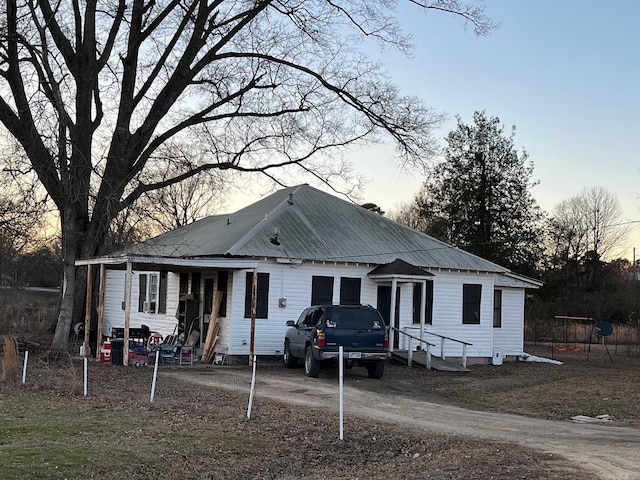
pixel 384 307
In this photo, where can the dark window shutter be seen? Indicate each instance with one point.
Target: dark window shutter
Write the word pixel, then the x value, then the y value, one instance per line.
pixel 417 302
pixel 321 290
pixel 162 293
pixel 223 286
pixel 497 308
pixel 350 291
pixel 142 294
pixel 262 296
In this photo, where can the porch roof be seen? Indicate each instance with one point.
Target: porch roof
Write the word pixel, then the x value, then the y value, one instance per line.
pixel 399 270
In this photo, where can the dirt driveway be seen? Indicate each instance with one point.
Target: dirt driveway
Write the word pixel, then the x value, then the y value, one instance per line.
pixel 610 452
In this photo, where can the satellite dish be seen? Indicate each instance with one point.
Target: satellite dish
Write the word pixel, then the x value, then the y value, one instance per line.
pixel 604 329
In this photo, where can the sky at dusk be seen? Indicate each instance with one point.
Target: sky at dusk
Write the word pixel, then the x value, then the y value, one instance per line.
pixel 565 73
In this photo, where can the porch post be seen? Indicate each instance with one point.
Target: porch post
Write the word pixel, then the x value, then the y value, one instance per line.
pixel 254 301
pixel 87 312
pixel 423 308
pixel 100 311
pixel 127 313
pixel 392 316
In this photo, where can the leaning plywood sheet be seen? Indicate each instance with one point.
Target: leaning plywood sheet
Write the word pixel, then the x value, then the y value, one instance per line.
pixel 214 329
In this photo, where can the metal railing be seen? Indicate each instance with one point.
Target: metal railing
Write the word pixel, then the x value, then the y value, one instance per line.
pixel 443 338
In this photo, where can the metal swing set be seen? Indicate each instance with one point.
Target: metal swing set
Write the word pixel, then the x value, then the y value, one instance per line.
pixel 577 335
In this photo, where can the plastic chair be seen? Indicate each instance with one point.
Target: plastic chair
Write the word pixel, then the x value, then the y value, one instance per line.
pixel 168 353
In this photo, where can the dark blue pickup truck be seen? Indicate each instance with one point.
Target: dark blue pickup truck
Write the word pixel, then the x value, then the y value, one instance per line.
pixel 320 330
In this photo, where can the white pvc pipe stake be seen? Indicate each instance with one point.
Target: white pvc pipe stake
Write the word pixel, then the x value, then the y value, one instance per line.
pixel 155 375
pixel 24 368
pixel 253 387
pixel 341 383
pixel 85 375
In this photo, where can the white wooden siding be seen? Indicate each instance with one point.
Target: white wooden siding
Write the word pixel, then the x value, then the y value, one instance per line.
pixel 114 296
pixel 447 315
pixel 293 284
pixel 509 339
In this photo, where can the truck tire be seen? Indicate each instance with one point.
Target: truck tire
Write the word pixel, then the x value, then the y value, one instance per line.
pixel 375 370
pixel 311 365
pixel 289 360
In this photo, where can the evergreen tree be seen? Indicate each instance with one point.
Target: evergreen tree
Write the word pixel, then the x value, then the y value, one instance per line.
pixel 479 198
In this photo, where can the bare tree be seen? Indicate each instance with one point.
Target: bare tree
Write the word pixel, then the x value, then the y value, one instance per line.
pixel 182 203
pixel 411 215
pixel 590 221
pixel 22 217
pixel 585 229
pixel 99 92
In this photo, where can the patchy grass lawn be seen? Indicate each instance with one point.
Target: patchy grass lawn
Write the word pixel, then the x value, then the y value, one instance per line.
pixel 580 386
pixel 49 430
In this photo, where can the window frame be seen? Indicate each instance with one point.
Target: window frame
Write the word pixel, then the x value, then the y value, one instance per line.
pixel 471 303
pixel 262 295
pixel 152 290
pixel 417 300
pixel 497 308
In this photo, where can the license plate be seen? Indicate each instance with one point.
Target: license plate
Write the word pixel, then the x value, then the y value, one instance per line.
pixel 355 355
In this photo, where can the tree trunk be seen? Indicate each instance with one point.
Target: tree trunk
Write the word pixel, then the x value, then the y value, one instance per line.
pixel 65 315
pixel 73 232
pixel 81 238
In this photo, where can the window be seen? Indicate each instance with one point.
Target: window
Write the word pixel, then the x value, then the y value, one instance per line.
pixel 321 290
pixel 208 296
pixel 262 296
pixel 162 296
pixel 497 308
pixel 184 284
pixel 152 297
pixel 350 291
pixel 417 302
pixel 195 284
pixel 312 317
pixel 471 295
pixel 223 287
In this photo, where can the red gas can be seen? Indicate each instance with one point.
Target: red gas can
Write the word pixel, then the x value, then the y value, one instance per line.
pixel 105 352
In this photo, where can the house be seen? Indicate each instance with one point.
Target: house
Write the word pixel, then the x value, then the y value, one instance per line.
pixel 301 246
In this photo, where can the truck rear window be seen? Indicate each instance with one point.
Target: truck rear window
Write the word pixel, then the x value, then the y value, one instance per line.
pixel 353 318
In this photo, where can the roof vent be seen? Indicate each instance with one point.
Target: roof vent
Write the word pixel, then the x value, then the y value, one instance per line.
pixel 290 201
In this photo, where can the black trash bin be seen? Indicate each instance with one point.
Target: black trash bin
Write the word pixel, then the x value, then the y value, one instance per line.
pixel 117 347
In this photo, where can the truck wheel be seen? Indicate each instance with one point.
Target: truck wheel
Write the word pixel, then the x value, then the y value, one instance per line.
pixel 311 365
pixel 375 369
pixel 289 360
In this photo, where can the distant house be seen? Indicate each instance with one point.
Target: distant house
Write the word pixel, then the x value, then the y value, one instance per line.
pixel 308 247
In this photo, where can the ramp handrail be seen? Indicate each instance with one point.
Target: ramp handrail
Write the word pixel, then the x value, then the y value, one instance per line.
pixel 442 344
pixel 410 350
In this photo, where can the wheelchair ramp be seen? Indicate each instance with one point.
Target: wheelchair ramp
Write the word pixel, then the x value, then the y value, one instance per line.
pixel 420 359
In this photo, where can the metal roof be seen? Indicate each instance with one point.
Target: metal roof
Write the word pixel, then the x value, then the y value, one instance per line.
pixel 310 225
